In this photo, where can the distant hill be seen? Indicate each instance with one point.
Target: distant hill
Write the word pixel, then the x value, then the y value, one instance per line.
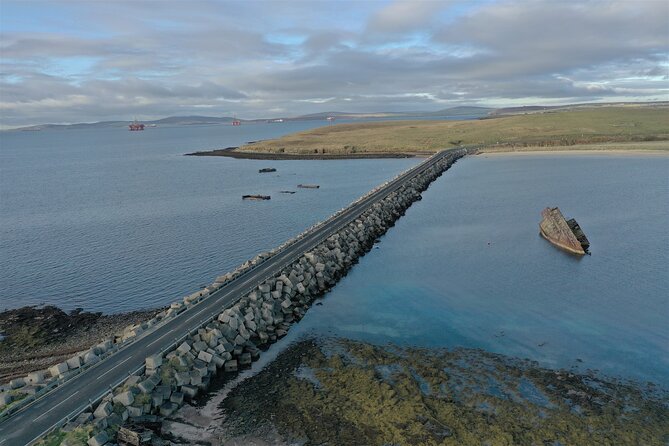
pixel 453 112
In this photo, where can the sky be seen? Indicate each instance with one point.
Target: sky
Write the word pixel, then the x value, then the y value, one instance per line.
pixel 65 61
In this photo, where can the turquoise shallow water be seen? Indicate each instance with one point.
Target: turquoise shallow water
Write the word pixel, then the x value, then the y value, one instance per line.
pixel 112 220
pixel 466 267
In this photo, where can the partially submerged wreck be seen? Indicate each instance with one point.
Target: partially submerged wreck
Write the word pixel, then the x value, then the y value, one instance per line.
pixel 565 234
pixel 256 197
pixel 308 186
pixel 267 169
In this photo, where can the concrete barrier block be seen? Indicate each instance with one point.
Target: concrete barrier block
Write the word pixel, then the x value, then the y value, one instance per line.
pixel 125 398
pixel 205 356
pixel 154 361
pixel 74 362
pixel 36 377
pixel 103 410
pixel 98 440
pixel 58 369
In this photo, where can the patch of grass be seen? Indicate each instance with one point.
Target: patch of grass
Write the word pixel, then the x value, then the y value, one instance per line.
pixel 550 129
pixel 77 437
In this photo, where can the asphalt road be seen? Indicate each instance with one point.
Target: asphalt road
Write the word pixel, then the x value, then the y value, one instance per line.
pixel 71 398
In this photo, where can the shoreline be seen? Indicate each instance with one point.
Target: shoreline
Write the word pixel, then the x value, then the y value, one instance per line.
pixel 39 337
pixel 232 152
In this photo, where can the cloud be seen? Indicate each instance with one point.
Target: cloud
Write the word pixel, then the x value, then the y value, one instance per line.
pixel 254 59
pixel 405 15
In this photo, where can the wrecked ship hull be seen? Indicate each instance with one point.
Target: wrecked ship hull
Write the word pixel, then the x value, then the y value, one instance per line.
pixel 566 235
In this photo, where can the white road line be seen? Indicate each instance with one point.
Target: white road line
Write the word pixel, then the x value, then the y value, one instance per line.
pixel 156 341
pixel 56 406
pixel 126 359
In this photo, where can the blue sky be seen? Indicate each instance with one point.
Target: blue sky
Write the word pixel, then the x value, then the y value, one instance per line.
pixel 74 61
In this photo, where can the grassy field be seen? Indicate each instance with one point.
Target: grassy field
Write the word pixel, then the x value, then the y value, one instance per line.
pixel 550 130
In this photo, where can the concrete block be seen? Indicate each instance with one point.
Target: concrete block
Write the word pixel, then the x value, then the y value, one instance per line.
pixel 135 411
pixel 91 358
pixel 146 386
pixel 74 362
pixel 35 377
pixel 205 356
pixel 125 398
pixel 98 440
pixel 5 398
pixel 103 410
pixel 184 347
pixel 17 383
pixel 154 361
pixel 189 391
pixel 231 366
pixel 58 369
pixel 177 398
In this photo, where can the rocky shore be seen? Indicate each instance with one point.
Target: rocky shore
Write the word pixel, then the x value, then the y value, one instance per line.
pixel 232 152
pixel 237 335
pixel 37 338
pixel 315 392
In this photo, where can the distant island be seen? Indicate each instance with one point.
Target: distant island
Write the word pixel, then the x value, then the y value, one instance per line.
pixel 618 127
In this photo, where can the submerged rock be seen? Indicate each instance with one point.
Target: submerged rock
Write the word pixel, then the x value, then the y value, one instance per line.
pixel 476 398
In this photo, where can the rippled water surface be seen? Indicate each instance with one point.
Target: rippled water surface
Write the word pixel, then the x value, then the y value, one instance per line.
pixel 111 220
pixel 467 267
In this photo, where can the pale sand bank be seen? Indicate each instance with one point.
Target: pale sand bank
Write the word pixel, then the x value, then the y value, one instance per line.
pixel 652 148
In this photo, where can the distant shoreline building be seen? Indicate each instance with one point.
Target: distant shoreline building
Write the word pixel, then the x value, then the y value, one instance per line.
pixel 136 126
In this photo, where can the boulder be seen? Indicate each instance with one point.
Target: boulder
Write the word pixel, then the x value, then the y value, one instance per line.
pixel 177 398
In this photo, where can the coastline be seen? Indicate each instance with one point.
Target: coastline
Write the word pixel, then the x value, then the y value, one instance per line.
pixel 232 152
pixel 37 338
pixel 654 148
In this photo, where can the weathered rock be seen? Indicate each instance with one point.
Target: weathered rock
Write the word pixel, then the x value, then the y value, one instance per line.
pixel 74 362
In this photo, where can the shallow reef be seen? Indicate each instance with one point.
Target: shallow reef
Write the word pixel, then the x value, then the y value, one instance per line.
pixel 343 392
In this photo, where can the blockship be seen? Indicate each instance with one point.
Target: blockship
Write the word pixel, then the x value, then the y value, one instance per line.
pixel 565 234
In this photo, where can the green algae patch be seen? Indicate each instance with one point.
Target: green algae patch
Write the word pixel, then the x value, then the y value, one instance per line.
pixel 347 392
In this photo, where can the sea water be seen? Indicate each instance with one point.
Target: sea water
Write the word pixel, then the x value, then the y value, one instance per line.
pixel 112 220
pixel 466 267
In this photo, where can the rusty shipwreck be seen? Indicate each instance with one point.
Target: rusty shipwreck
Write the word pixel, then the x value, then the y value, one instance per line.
pixel 565 234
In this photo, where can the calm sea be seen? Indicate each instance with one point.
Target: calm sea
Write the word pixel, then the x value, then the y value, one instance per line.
pixel 112 220
pixel 466 267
